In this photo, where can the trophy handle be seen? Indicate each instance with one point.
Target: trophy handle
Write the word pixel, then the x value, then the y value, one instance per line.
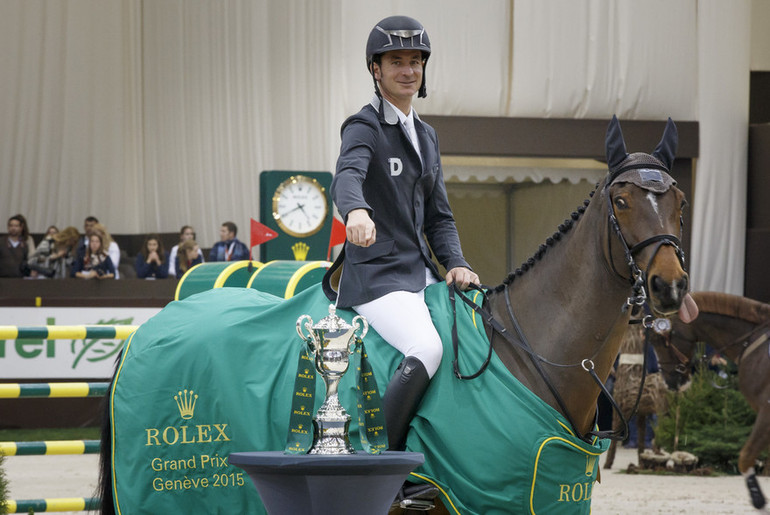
pixel 360 321
pixel 308 324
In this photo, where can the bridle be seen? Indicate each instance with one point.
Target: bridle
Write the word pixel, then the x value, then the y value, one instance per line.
pixel 637 298
pixel 638 276
pixel 747 342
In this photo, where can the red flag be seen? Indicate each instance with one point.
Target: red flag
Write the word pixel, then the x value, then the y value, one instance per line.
pixel 260 234
pixel 337 237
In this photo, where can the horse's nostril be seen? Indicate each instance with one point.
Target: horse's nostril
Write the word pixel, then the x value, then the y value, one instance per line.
pixel 683 284
pixel 658 284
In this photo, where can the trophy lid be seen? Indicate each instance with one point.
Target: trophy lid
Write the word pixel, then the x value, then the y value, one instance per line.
pixel 332 322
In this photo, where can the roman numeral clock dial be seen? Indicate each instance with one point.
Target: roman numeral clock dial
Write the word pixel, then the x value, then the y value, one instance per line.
pixel 300 206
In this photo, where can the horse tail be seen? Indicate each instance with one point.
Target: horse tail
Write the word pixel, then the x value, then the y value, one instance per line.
pixel 104 485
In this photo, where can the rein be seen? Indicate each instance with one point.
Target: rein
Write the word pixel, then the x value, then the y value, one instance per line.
pixel 537 360
pixel 747 341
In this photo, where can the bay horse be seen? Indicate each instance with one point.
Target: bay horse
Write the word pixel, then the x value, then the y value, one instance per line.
pixel 555 326
pixel 738 328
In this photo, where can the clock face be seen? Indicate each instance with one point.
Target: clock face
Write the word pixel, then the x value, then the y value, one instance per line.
pixel 300 206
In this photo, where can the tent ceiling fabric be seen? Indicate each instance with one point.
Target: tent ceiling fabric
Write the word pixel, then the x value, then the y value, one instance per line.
pixel 151 115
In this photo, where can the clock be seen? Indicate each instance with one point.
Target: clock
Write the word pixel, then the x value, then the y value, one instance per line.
pixel 300 206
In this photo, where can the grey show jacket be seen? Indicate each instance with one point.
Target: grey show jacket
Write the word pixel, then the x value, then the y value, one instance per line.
pixel 379 170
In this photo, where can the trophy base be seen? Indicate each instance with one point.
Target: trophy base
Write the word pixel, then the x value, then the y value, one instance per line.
pixel 331 436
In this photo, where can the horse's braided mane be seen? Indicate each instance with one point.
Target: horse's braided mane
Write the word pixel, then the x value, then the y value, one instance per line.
pixel 732 305
pixel 563 228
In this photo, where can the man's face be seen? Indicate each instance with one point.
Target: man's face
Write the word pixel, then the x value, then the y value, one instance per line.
pixel 225 234
pixel 14 228
pixel 88 227
pixel 399 74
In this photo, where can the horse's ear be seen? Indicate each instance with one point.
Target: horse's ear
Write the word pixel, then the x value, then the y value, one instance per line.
pixel 666 149
pixel 616 146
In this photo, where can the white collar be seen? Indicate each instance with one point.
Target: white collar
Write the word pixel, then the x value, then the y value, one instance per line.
pixel 392 114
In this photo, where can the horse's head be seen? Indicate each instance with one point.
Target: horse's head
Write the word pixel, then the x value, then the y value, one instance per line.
pixel 645 212
pixel 675 351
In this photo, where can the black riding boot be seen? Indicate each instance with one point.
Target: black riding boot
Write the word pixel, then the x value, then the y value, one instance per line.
pixel 402 398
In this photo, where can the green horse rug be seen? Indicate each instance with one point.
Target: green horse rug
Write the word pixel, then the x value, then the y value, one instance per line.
pixel 214 374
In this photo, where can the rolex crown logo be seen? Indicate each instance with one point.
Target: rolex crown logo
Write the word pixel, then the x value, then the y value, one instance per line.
pixel 300 250
pixel 185 401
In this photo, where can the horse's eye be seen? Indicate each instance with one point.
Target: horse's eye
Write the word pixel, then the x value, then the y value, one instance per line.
pixel 620 203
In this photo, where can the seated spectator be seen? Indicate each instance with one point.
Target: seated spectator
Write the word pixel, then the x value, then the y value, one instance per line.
pixel 188 256
pixel 186 233
pixel 14 248
pixel 26 236
pixel 229 248
pixel 96 263
pixel 66 251
pixel 39 262
pixel 88 229
pixel 112 248
pixel 152 260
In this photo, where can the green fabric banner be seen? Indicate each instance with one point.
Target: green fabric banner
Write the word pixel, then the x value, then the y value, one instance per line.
pixel 215 374
pixel 300 436
pixel 371 416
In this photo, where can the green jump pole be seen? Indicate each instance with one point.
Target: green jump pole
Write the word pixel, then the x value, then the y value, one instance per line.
pixel 49 447
pixel 49 390
pixel 60 504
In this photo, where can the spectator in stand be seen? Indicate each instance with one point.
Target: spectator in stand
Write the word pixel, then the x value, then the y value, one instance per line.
pixel 66 243
pixel 96 263
pixel 152 261
pixel 39 262
pixel 14 248
pixel 188 255
pixel 229 248
pixel 88 229
pixel 109 244
pixel 186 233
pixel 26 236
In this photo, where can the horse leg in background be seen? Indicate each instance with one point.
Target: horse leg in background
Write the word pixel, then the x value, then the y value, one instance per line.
pixel 641 434
pixel 613 444
pixel 104 486
pixel 759 440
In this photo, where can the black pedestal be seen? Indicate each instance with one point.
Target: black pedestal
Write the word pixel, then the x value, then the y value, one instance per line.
pixel 322 484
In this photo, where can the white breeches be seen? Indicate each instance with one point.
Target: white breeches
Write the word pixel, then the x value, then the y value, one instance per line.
pixel 403 320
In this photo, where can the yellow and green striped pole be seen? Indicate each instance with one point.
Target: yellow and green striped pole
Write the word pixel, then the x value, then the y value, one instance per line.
pixel 60 504
pixel 52 390
pixel 49 447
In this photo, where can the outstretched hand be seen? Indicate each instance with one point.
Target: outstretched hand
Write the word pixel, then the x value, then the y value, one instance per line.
pixel 360 229
pixel 462 276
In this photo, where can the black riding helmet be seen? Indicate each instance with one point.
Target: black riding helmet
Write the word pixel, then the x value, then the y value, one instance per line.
pixel 398 33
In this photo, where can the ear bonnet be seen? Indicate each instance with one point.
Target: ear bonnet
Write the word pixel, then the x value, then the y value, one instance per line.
pixel 648 171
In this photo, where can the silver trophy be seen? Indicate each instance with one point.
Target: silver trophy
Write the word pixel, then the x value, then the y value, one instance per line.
pixel 331 341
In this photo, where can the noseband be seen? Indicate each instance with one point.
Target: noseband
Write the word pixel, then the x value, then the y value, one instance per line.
pixel 638 276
